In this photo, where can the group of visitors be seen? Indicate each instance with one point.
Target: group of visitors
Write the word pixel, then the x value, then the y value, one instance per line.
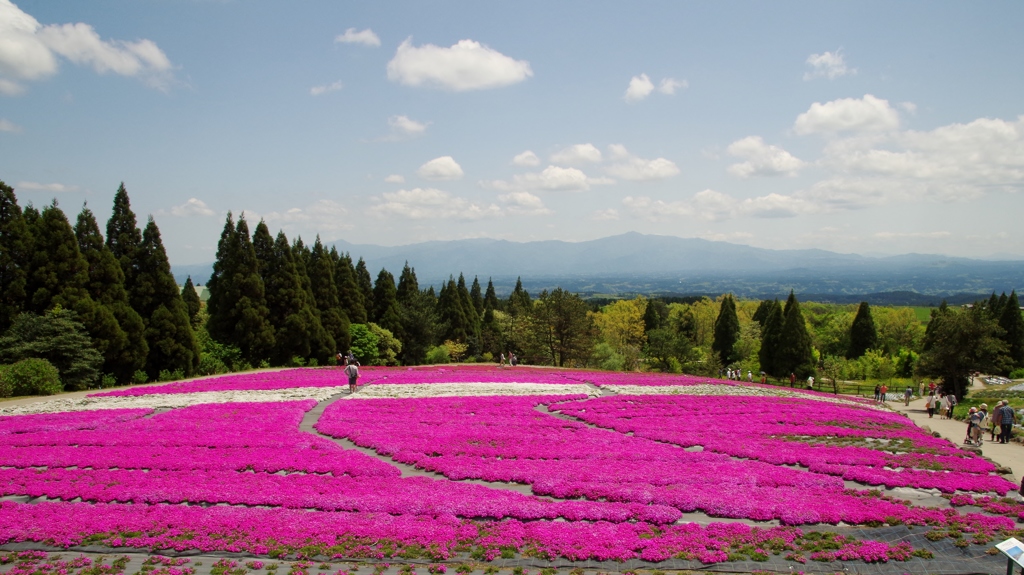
pixel 351 365
pixel 880 392
pixel 941 404
pixel 1000 425
pixel 512 360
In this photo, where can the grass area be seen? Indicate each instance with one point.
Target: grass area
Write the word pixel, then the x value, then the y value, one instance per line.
pixel 924 314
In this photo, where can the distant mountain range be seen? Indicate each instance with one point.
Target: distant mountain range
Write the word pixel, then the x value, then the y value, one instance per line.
pixel 639 263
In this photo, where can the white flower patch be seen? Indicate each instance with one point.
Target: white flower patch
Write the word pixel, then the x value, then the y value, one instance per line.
pixel 733 390
pixel 470 388
pixel 174 400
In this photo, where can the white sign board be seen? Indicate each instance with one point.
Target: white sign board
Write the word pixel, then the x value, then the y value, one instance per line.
pixel 1013 549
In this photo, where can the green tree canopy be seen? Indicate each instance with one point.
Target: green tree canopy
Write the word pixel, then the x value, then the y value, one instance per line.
pixel 190 296
pixel 564 327
pixel 863 335
pixel 727 331
pixel 960 341
pixel 16 249
pixel 794 353
pixel 57 337
pixel 1013 328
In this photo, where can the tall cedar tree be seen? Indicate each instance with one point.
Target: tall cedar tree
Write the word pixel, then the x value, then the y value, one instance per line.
pixel 727 331
pixel 60 276
pixel 386 311
pixel 655 314
pixel 193 304
pixel 519 300
pixel 770 339
pixel 350 297
pixel 472 317
pixel 407 284
pixel 287 308
pixel 325 295
pixel 124 238
pixel 322 344
pixel 863 335
pixel 238 303
pixel 1013 324
pixel 477 297
pixel 491 297
pixel 419 317
pixel 16 249
pixel 365 283
pixel 127 353
pixel 172 343
pixel 762 311
pixel 993 308
pixel 564 327
pixel 795 353
pixel 454 324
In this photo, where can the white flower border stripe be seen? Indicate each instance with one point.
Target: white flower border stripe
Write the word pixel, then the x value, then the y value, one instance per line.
pixel 174 400
pixel 469 388
pixel 732 390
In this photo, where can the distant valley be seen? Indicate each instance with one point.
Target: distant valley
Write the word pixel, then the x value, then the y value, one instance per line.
pixel 649 264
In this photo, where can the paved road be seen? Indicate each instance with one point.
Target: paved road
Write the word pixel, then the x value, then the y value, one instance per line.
pixel 1008 455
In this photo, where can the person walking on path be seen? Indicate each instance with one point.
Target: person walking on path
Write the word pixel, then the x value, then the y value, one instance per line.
pixel 502 363
pixel 1006 419
pixel 907 393
pixel 929 405
pixel 943 406
pixel 352 371
pixel 950 405
pixel 885 392
pixel 973 428
pixel 878 393
pixel 750 376
pixel 792 379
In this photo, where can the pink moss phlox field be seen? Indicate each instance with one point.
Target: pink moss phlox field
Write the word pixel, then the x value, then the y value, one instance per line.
pixel 786 431
pixel 376 536
pixel 261 380
pixel 474 373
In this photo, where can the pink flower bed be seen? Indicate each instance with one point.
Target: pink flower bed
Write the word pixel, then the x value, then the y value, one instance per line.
pixel 262 380
pixel 610 476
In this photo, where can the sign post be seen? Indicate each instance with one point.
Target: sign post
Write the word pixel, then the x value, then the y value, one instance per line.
pixel 1014 551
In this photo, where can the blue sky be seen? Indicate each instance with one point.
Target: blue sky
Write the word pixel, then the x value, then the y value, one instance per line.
pixel 867 127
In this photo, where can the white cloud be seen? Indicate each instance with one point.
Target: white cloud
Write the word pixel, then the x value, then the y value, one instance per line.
pixel 443 168
pixel 714 206
pixel 9 126
pixel 645 207
pixel 669 86
pixel 527 158
pixel 395 179
pixel 829 65
pixel 467 65
pixel 432 204
pixel 776 206
pixel 321 216
pixel 629 167
pixel 551 179
pixel 868 114
pixel 11 88
pixel 639 88
pixel 37 187
pixel 319 90
pixel 364 37
pixel 914 235
pixel 524 203
pixel 605 215
pixel 762 159
pixel 193 207
pixel 406 126
pixel 577 154
pixel 908 107
pixel 28 51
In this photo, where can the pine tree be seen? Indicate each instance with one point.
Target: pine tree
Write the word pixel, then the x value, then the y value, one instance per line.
pixel 126 348
pixel 123 236
pixel 253 333
pixel 491 297
pixel 172 343
pixel 289 311
pixel 1013 326
pixel 727 331
pixel 471 315
pixel 386 312
pixel 519 300
pixel 365 283
pixel 220 323
pixel 451 313
pixel 321 279
pixel 863 335
pixel 192 302
pixel 795 353
pixel 995 311
pixel 476 296
pixel 349 296
pixel 16 249
pixel 770 339
pixel 762 311
pixel 322 345
pixel 408 287
pixel 419 317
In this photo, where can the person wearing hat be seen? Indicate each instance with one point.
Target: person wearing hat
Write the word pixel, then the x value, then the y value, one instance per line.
pixel 1006 419
pixel 974 427
pixel 985 421
pixel 994 426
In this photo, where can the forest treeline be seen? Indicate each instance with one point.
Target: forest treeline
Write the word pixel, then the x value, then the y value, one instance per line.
pixel 105 310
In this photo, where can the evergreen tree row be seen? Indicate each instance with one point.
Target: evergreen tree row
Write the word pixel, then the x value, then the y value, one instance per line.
pixel 120 289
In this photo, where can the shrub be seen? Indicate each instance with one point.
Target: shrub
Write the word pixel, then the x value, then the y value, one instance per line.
pixel 140 376
pixel 32 376
pixel 58 338
pixel 1017 374
pixel 108 380
pixel 210 365
pixel 6 388
pixel 168 375
pixel 438 354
